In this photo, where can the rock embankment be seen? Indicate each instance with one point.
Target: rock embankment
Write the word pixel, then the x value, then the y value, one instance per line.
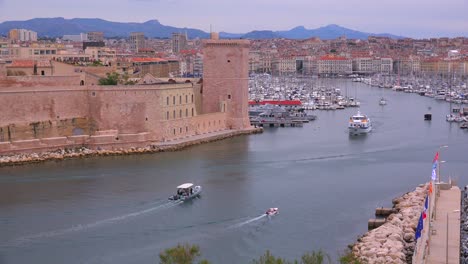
pixel 394 241
pixel 81 152
pixel 464 228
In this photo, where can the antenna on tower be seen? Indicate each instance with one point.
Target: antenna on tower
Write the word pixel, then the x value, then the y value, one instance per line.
pixel 211 28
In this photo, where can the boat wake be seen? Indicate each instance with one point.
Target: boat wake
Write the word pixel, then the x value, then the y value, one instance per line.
pixel 248 221
pixel 77 228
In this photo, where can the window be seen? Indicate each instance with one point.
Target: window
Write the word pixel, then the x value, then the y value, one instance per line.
pixel 173 100
pixel 192 98
pixel 180 130
pixel 192 112
pixel 167 100
pixel 186 98
pixel 229 96
pixel 186 129
pixel 167 115
pixel 180 113
pixel 180 99
pixel 186 112
pixel 174 131
pixel 173 114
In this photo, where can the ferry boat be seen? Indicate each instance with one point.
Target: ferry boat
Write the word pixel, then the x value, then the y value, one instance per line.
pixel 359 124
pixel 185 192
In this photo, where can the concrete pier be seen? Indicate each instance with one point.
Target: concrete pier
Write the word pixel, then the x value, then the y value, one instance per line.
pixel 444 241
pixel 440 240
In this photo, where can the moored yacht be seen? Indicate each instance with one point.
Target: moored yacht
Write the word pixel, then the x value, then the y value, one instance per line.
pixel 359 124
pixel 382 101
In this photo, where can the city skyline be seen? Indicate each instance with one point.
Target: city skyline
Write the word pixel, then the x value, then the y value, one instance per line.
pixel 414 19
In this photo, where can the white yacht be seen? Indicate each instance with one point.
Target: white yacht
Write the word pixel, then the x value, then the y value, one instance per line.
pixel 359 124
pixel 186 192
pixel 382 101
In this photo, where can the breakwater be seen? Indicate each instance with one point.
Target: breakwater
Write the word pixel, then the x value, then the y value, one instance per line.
pixel 83 151
pixel 394 241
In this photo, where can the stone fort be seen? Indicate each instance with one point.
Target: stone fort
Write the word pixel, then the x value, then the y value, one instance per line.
pixel 53 114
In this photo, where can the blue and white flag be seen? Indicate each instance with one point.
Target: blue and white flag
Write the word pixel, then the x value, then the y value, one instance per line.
pixel 434 171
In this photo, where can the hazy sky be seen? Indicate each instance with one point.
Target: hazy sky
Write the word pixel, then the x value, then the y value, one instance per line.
pixel 413 18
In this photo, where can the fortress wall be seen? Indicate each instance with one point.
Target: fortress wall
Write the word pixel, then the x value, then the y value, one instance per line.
pixel 29 113
pixel 36 81
pixel 209 123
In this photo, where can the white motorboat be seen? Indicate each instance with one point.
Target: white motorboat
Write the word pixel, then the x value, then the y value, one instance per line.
pixel 382 101
pixel 359 124
pixel 186 192
pixel 272 211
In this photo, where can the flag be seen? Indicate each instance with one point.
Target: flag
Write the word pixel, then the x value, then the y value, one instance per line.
pixel 436 157
pixel 434 171
pixel 426 205
pixel 430 187
pixel 419 228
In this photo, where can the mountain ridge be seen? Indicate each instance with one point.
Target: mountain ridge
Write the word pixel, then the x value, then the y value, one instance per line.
pixel 59 26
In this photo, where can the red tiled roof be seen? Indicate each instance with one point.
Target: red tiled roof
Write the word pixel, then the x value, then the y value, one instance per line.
pixel 185 52
pixel 284 102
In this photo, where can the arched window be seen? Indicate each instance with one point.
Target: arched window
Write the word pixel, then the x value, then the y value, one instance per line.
pixel 167 100
pixel 180 100
pixel 167 115
pixel 174 131
pixel 173 114
pixel 192 98
pixel 180 114
pixel 192 112
pixel 186 112
pixel 173 100
pixel 186 98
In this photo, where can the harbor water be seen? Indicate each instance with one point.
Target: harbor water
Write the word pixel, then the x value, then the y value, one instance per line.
pixel 325 183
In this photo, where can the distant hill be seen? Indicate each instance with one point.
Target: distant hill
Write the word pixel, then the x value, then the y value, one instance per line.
pixel 328 32
pixel 57 27
pixel 261 34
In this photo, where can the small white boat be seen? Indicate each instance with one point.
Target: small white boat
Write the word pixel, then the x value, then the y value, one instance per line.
pixel 272 211
pixel 359 124
pixel 382 101
pixel 186 192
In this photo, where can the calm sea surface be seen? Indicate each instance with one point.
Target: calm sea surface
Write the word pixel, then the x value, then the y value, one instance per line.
pixel 325 183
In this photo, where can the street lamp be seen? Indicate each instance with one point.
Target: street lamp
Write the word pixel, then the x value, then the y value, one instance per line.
pixel 447 236
pixel 438 167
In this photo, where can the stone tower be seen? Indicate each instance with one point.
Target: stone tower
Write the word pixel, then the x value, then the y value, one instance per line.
pixel 225 80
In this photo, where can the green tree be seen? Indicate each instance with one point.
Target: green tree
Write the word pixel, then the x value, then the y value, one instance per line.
pixel 111 79
pixel 268 258
pixel 318 257
pixel 348 258
pixel 181 254
pixel 313 257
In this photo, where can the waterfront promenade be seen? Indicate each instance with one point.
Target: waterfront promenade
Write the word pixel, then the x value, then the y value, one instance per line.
pixel 440 243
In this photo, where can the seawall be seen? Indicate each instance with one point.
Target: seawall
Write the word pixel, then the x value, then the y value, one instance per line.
pixel 394 241
pixel 84 151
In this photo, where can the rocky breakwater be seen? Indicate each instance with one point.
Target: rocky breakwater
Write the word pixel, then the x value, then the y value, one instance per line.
pixel 85 151
pixel 394 241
